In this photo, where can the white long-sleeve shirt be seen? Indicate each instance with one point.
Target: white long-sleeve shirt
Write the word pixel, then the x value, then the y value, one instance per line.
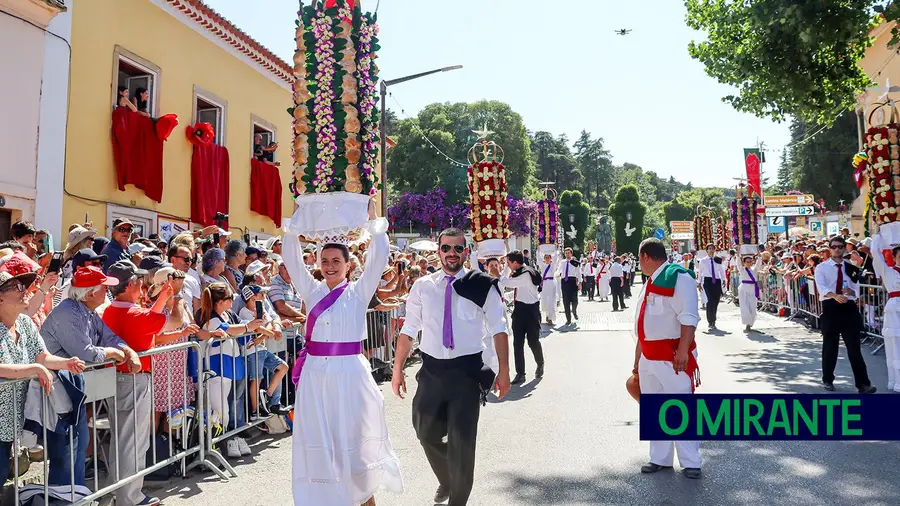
pixel 890 276
pixel 526 291
pixel 616 270
pixel 706 269
pixel 345 320
pixel 826 280
pixel 664 316
pixel 588 270
pixel 567 270
pixel 425 312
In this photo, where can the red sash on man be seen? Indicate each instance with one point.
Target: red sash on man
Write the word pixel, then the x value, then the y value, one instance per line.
pixel 664 349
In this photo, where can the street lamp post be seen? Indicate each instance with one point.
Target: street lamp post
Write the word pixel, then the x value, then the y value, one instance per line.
pixel 383 125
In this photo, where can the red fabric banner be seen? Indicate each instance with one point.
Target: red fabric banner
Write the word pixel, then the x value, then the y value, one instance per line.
pixel 137 152
pixel 753 186
pixel 210 181
pixel 265 190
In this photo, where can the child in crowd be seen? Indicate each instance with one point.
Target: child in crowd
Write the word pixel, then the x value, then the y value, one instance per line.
pixel 262 363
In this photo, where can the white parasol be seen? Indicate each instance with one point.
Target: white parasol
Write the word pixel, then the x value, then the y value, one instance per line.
pixel 424 246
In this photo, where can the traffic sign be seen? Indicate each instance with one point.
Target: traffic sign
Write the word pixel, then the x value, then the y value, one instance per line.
pixel 790 211
pixel 659 234
pixel 777 224
pixel 681 236
pixel 788 200
pixel 682 227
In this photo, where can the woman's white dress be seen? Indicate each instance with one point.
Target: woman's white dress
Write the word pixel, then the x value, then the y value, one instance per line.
pixel 341 451
pixel 747 297
pixel 890 277
pixel 603 282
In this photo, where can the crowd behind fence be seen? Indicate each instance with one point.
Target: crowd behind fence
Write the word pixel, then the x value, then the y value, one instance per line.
pixel 796 297
pixel 215 406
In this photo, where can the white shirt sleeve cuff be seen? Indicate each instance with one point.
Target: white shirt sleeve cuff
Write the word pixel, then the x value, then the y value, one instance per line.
pixel 689 320
pixel 377 226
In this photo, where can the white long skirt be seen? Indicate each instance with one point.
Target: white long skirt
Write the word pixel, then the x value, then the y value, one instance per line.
pixel 747 299
pixel 342 453
pixel 603 286
pixel 548 301
pixel 891 333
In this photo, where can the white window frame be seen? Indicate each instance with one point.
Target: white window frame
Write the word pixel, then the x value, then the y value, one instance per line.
pixel 222 104
pixel 259 122
pixel 144 218
pixel 154 71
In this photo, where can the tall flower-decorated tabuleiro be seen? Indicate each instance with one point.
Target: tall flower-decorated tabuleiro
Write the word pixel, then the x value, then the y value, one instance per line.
pixel 488 196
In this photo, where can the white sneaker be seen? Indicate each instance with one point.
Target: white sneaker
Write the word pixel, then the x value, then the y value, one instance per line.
pixel 243 446
pixel 233 449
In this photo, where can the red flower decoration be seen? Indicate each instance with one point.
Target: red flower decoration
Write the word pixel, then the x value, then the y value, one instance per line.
pixel 165 125
pixel 200 134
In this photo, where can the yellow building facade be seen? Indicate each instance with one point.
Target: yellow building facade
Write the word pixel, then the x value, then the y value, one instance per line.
pixel 193 63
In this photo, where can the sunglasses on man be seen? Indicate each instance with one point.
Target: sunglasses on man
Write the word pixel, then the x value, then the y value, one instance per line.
pixel 17 286
pixel 445 248
pixel 837 246
pixel 124 230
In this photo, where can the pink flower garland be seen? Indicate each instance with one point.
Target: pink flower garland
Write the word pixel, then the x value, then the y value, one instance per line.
pixel 366 75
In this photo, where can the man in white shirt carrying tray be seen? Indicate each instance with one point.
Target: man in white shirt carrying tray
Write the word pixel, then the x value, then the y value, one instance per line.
pixel 452 307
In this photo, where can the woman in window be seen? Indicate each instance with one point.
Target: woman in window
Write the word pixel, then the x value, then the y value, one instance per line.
pixel 123 100
pixel 141 101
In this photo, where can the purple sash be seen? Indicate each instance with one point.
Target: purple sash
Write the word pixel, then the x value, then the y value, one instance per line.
pixel 544 276
pixel 317 311
pixel 752 281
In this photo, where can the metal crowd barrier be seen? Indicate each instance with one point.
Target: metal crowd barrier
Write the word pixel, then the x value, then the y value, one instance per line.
pixel 193 435
pixel 799 297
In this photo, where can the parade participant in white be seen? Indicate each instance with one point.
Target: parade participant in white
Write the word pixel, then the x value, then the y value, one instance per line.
pixel 603 280
pixel 342 453
pixel 451 308
pixel 616 284
pixel 665 357
pixel 570 282
pixel 526 316
pixel 890 277
pixel 589 274
pixel 748 293
pixel 548 289
pixel 712 273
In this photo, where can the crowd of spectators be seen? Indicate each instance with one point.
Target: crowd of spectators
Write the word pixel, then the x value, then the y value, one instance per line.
pixel 101 299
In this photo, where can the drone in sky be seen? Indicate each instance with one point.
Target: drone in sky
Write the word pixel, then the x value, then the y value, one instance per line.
pixel 623 31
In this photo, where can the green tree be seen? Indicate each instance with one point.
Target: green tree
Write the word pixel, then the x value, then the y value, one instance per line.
pixel 573 207
pixel 628 212
pixel 676 210
pixel 821 162
pixel 785 180
pixel 554 161
pixel 595 165
pixel 786 57
pixel 712 198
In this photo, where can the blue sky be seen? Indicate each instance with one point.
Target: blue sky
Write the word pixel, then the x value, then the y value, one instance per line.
pixel 563 70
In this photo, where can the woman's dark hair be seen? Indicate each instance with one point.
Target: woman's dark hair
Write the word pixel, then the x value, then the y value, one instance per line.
pixel 212 295
pixel 345 251
pixel 252 279
pixel 837 238
pixel 895 250
pixel 21 229
pixel 141 103
pixel 121 89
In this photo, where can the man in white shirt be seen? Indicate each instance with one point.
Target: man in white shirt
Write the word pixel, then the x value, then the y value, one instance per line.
pixel 181 259
pixel 627 276
pixel 616 280
pixel 712 271
pixel 837 283
pixel 452 307
pixel 526 315
pixel 570 283
pixel 665 357
pixel 589 276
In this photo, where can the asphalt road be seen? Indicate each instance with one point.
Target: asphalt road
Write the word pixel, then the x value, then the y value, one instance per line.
pixel 572 437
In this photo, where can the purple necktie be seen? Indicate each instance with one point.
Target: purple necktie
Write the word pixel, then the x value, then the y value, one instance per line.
pixel 712 267
pixel 567 270
pixel 448 314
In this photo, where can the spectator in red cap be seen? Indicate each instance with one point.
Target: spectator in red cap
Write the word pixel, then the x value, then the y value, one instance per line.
pixel 39 305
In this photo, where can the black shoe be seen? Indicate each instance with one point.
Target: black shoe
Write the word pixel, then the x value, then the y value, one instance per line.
pixel 624 307
pixel 518 380
pixel 576 318
pixel 829 387
pixel 868 390
pixel 278 409
pixel 539 372
pixel 692 473
pixel 568 322
pixel 442 494
pixel 650 468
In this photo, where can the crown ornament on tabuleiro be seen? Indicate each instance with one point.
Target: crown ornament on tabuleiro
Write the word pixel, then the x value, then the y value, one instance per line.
pixel 335 119
pixel 488 196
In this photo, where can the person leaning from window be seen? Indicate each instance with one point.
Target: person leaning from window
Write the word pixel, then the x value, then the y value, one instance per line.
pixel 22 355
pixel 265 153
pixel 123 100
pixel 142 101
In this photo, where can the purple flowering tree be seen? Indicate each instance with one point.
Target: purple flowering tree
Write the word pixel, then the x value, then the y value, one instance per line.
pixel 427 212
pixel 521 212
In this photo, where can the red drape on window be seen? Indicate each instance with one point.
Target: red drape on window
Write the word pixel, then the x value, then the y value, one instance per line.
pixel 137 152
pixel 265 190
pixel 210 178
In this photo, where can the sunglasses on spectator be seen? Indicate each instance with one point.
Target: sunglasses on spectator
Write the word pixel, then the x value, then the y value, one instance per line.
pixel 446 248
pixel 186 259
pixel 93 263
pixel 126 230
pixel 837 246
